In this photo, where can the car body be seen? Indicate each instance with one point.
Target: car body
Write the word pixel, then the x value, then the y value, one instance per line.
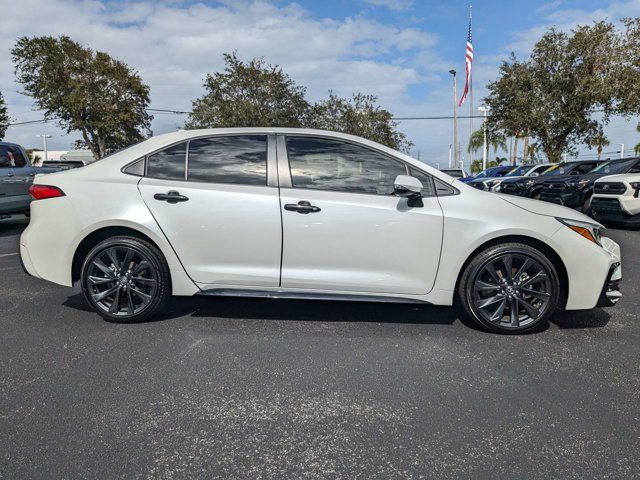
pixel 455 172
pixel 531 187
pixel 16 176
pixel 298 213
pixel 575 191
pixel 616 200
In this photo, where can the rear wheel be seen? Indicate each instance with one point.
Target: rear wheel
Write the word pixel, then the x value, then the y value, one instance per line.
pixel 509 288
pixel 126 279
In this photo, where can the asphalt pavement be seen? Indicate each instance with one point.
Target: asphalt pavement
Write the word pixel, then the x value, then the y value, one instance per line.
pixel 240 388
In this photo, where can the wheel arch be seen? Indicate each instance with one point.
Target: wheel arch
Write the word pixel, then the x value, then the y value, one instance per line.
pixel 97 236
pixel 539 245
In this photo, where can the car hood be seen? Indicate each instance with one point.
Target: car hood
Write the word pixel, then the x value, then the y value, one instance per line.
pixel 544 208
pixel 630 177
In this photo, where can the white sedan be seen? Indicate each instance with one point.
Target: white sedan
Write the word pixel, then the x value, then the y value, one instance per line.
pixel 291 213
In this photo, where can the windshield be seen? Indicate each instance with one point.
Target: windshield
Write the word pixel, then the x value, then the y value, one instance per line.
pixel 485 173
pixel 520 171
pixel 559 169
pixel 615 167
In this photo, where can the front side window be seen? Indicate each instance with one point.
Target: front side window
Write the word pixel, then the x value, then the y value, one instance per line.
pixel 335 165
pixel 168 164
pixel 238 159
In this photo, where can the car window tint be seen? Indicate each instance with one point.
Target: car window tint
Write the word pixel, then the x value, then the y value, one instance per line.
pixel 635 168
pixel 168 163
pixel 615 166
pixel 428 189
pixel 11 156
pixel 238 159
pixel 326 164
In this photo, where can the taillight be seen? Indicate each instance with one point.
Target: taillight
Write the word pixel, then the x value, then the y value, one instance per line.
pixel 41 192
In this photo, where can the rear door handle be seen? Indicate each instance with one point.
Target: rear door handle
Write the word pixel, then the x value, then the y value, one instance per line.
pixel 170 197
pixel 302 206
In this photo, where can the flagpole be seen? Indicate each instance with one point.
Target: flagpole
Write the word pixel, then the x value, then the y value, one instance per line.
pixel 470 84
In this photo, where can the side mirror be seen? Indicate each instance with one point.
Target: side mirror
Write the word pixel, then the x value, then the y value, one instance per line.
pixel 409 187
pixel 535 174
pixel 574 172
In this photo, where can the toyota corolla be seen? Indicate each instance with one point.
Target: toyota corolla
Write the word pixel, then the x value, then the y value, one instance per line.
pixel 291 213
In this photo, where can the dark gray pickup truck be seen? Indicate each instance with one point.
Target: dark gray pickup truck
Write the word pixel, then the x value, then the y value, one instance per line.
pixel 16 176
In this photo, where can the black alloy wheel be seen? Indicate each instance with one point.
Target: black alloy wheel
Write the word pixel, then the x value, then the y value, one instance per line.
pixel 509 288
pixel 125 279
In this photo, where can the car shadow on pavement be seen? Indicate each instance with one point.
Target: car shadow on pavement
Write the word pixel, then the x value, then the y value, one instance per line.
pixel 13 226
pixel 335 311
pixel 597 318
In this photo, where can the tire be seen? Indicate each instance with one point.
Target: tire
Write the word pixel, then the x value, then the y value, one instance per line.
pixel 125 279
pixel 480 290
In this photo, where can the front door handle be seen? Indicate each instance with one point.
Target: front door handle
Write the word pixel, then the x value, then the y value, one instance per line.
pixel 302 206
pixel 170 197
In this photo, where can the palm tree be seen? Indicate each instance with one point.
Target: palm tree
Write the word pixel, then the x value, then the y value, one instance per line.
pixel 495 141
pixel 637 147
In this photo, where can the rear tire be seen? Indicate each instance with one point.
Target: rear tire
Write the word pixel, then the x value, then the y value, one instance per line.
pixel 125 279
pixel 509 288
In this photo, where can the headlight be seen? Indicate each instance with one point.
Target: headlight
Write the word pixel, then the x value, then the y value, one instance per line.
pixel 528 183
pixel 590 231
pixel 636 187
pixel 495 185
pixel 578 183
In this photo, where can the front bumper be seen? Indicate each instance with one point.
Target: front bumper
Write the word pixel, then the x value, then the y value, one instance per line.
pixel 611 290
pixel 567 199
pixel 609 210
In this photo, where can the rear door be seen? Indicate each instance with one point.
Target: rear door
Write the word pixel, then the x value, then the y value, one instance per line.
pixel 355 236
pixel 217 202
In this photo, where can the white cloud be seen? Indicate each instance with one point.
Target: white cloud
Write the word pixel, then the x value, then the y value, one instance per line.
pixel 397 5
pixel 173 45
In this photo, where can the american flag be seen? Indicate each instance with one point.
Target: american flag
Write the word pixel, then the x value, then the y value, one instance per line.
pixel 468 64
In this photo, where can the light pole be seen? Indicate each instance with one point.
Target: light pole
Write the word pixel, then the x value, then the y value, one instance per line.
pixel 621 149
pixel 456 154
pixel 484 109
pixel 44 137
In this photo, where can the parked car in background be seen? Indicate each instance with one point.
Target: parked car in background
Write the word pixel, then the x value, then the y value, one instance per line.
pixel 16 176
pixel 490 173
pixel 487 184
pixel 616 200
pixel 531 186
pixel 455 172
pixel 71 159
pixel 298 213
pixel 523 171
pixel 575 191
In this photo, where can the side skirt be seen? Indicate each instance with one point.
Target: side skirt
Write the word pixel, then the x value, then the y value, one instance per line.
pixel 342 297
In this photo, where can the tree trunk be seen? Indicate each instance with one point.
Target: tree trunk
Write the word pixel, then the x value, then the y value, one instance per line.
pixel 525 150
pixel 599 152
pixel 92 147
pixel 515 151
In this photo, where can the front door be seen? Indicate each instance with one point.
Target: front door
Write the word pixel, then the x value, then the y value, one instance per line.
pixel 220 216
pixel 343 230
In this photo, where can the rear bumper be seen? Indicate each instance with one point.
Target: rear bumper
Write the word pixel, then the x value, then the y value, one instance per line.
pixel 26 263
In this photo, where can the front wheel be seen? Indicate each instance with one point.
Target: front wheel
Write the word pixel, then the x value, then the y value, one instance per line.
pixel 509 288
pixel 125 279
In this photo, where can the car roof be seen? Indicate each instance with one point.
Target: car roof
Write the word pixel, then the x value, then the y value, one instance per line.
pixel 10 144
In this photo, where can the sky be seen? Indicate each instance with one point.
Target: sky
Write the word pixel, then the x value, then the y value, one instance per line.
pixel 398 50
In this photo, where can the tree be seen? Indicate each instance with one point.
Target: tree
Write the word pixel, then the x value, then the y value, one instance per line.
pixel 251 94
pixel 495 140
pixel 4 117
pixel 570 86
pixel 637 147
pixel 358 115
pixel 598 141
pixel 86 91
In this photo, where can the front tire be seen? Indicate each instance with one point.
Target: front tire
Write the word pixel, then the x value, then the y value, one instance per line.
pixel 125 279
pixel 509 288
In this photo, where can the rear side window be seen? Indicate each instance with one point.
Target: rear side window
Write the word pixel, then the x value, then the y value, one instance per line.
pixel 327 164
pixel 11 156
pixel 168 164
pixel 240 159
